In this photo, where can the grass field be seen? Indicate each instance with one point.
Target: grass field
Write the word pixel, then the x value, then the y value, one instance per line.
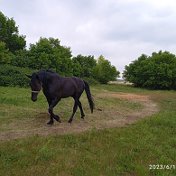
pixel 128 150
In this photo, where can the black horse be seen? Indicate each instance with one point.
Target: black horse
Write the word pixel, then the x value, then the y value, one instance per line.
pixel 56 87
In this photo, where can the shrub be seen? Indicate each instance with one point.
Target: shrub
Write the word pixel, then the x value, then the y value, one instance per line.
pixel 91 81
pixel 14 76
pixel 155 72
pixel 104 71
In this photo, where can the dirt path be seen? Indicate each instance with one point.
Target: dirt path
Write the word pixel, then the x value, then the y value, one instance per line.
pixel 37 125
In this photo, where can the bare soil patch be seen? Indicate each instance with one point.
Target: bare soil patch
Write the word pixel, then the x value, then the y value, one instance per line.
pixel 114 118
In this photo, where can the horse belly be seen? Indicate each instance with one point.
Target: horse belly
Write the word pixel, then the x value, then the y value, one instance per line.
pixel 68 91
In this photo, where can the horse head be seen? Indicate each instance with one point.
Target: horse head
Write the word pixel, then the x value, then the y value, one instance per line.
pixel 35 84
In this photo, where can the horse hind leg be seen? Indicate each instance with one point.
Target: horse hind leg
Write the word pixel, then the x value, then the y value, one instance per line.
pixel 81 109
pixel 75 107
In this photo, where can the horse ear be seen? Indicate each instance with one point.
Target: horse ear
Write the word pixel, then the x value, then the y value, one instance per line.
pixel 29 76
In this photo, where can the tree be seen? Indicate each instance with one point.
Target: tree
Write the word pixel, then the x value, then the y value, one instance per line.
pixel 83 65
pixel 77 69
pixel 5 55
pixel 20 59
pixel 104 71
pixel 9 34
pixel 136 70
pixel 156 72
pixel 49 54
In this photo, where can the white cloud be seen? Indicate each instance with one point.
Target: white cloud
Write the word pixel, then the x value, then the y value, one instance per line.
pixel 121 30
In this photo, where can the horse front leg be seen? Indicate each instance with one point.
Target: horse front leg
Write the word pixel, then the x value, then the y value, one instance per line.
pixel 52 104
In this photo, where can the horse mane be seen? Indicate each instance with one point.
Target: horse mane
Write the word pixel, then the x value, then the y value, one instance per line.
pixel 45 74
pixel 50 71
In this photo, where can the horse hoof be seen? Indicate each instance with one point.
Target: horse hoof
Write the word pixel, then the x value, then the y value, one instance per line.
pixel 70 121
pixel 57 118
pixel 82 117
pixel 50 123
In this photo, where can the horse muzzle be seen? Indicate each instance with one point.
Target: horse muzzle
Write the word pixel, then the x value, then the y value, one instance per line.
pixel 34 95
pixel 34 99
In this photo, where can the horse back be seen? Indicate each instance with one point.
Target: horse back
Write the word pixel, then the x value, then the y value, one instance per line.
pixel 67 86
pixel 73 85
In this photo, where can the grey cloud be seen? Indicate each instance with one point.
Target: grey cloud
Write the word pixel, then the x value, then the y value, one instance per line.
pixel 142 24
pixel 121 30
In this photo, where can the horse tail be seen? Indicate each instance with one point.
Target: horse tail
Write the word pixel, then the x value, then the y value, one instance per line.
pixel 89 96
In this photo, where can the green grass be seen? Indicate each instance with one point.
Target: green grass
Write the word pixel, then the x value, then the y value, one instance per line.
pixel 16 104
pixel 110 152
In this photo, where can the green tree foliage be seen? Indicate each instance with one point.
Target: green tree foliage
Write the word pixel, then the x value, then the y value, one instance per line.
pixel 104 71
pixel 156 72
pixel 13 76
pixel 9 34
pixel 20 59
pixel 5 55
pixel 83 66
pixel 49 54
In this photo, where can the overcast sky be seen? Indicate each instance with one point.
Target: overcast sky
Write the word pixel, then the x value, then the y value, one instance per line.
pixel 120 30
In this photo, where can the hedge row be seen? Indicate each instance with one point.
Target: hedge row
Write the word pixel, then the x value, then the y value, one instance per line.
pixel 14 76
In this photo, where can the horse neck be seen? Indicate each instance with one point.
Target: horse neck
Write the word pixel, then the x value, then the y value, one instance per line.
pixel 43 78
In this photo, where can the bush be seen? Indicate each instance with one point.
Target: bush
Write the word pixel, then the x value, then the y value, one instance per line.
pixel 155 72
pixel 104 71
pixel 14 76
pixel 91 81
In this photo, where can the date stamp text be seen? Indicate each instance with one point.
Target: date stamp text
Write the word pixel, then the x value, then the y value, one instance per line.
pixel 161 166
